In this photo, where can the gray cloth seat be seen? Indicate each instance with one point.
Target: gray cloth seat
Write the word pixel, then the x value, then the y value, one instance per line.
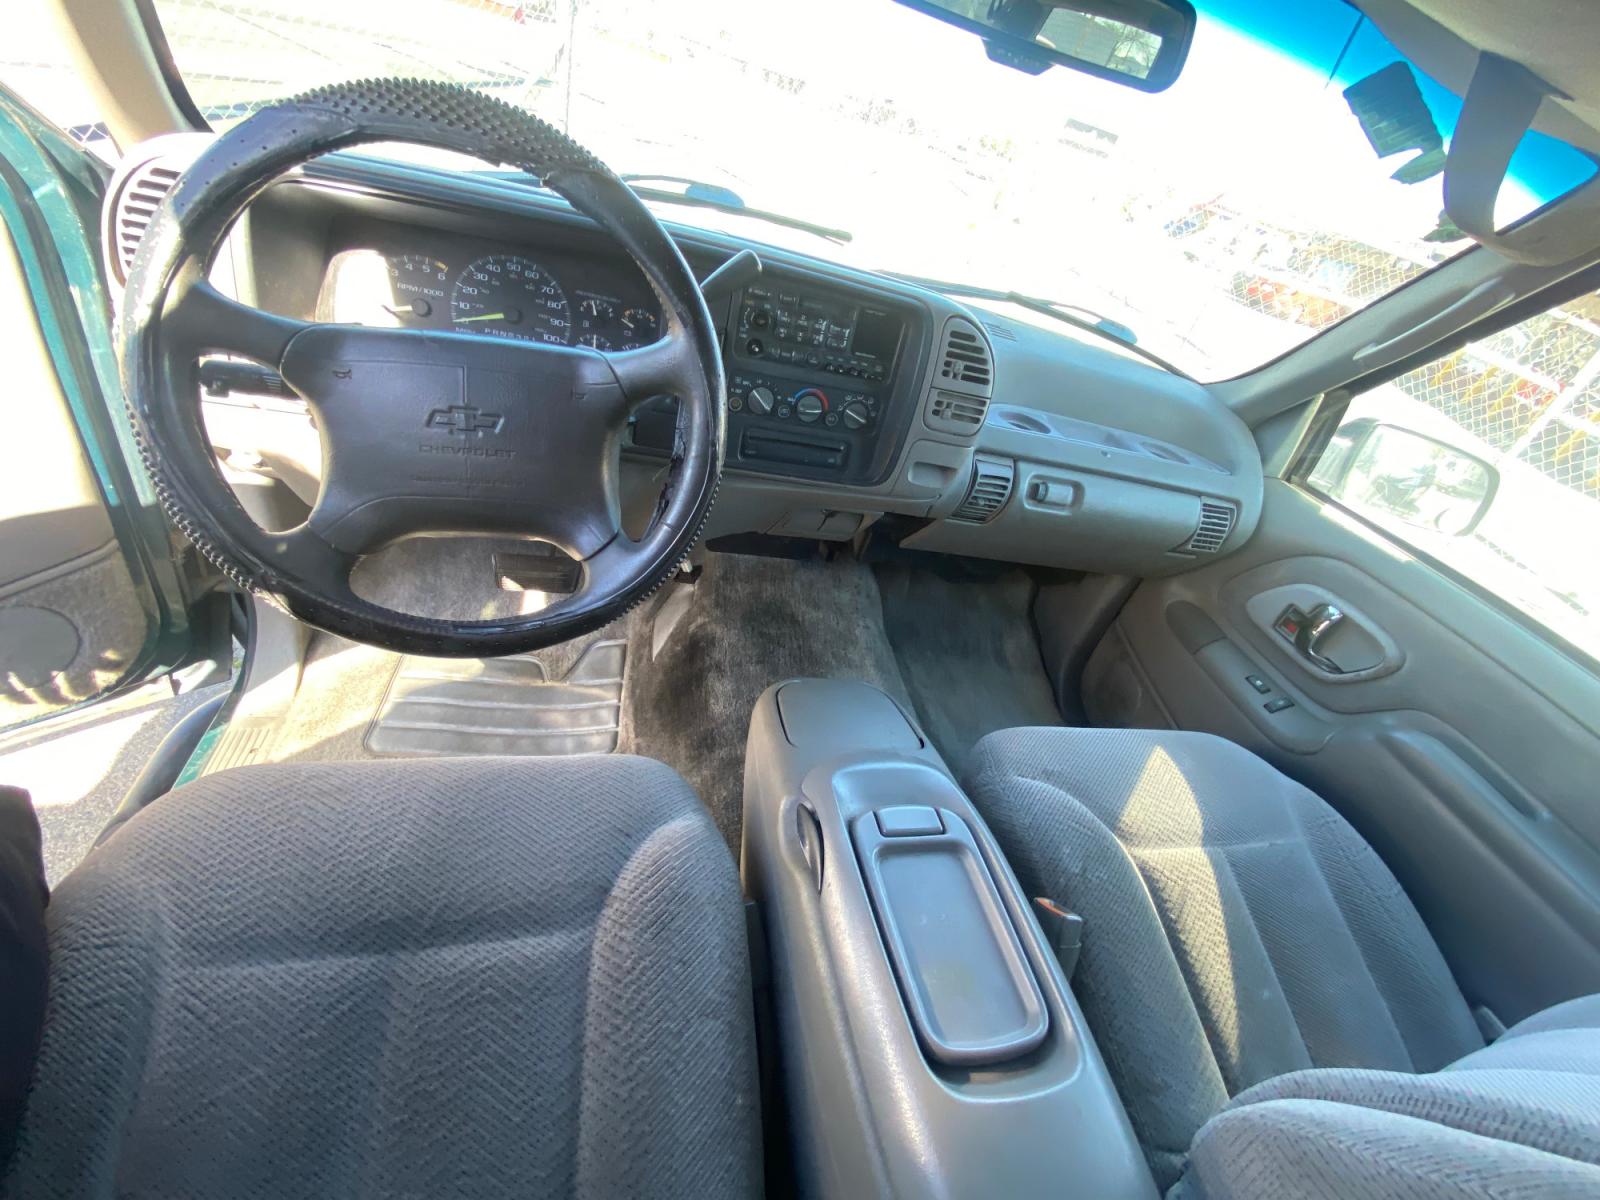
pixel 468 977
pixel 1238 933
pixel 1520 1117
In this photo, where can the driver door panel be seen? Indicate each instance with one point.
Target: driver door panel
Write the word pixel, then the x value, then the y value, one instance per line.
pixel 72 620
pixel 1467 755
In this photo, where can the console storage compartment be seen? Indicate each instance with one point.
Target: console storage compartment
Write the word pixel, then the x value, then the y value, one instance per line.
pixel 969 991
pixel 927 1042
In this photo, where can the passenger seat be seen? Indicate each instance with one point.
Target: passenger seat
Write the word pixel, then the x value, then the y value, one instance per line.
pixel 1276 1016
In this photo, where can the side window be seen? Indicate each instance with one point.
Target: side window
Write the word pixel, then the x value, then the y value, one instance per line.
pixel 1489 461
pixel 36 68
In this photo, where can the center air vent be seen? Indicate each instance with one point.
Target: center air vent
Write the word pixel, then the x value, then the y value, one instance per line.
pixel 1216 523
pixel 142 193
pixel 989 490
pixel 964 361
pixel 964 381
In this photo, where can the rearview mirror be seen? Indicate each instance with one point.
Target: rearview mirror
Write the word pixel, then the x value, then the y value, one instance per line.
pixel 1393 473
pixel 1139 43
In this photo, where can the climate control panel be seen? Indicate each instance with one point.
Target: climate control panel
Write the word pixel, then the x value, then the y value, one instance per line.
pixel 826 407
pixel 802 426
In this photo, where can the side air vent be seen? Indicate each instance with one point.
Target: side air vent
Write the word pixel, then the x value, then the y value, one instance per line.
pixel 989 490
pixel 965 364
pixel 142 193
pixel 1216 523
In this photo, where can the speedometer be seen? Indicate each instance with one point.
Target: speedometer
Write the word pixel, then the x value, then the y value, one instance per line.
pixel 506 295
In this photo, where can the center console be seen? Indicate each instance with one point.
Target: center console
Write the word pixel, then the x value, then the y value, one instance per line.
pixel 926 1038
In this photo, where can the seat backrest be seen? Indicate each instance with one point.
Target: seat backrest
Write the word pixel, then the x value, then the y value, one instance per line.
pixel 23 957
pixel 471 976
pixel 1236 927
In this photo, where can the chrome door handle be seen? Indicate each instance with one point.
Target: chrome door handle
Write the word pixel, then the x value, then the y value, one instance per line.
pixel 1319 622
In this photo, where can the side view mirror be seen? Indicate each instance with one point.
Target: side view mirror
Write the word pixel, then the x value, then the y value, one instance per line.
pixel 1395 473
pixel 1139 43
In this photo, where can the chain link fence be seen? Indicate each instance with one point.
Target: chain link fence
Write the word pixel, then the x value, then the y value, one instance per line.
pixel 1531 392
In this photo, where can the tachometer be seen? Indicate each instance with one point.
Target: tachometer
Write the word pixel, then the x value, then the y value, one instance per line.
pixel 506 295
pixel 416 285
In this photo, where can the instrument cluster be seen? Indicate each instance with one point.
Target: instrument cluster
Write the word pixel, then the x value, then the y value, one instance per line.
pixel 491 291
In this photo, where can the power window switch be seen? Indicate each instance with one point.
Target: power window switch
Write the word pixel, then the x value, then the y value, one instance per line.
pixel 1278 705
pixel 1260 684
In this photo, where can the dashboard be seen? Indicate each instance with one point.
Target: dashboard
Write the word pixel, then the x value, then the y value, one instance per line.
pixel 855 401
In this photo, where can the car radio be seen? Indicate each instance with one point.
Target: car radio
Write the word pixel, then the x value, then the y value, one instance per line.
pixel 834 335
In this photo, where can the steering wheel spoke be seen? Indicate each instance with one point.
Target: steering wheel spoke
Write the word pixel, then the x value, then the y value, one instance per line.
pixel 659 369
pixel 200 318
pixel 305 553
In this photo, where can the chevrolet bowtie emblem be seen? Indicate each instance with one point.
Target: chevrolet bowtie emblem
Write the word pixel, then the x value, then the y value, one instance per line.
pixel 464 419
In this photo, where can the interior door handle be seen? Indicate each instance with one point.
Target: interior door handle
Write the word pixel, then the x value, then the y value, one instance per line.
pixel 1318 634
pixel 1308 631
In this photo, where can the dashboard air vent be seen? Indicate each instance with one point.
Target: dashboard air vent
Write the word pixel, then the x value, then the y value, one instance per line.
pixel 989 490
pixel 964 360
pixel 1216 523
pixel 959 414
pixel 1001 331
pixel 142 193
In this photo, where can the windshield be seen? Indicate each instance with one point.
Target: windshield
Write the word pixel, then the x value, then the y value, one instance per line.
pixel 1221 222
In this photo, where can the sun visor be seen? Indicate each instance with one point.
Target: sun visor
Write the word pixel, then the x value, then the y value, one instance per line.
pixel 1501 105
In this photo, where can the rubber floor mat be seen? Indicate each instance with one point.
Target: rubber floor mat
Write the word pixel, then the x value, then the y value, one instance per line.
pixel 506 705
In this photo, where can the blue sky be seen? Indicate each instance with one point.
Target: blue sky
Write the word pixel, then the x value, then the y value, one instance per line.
pixel 1313 32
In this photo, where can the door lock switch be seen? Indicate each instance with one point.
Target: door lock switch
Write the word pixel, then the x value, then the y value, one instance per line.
pixel 1290 622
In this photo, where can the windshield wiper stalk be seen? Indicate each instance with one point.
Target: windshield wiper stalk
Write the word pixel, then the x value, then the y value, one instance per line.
pixel 1091 321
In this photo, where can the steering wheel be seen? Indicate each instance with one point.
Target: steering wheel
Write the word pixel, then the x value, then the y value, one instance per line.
pixel 422 431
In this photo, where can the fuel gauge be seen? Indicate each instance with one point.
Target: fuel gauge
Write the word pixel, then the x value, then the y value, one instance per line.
pixel 640 326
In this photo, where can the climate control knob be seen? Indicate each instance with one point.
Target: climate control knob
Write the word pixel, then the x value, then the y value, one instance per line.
pixel 855 415
pixel 760 401
pixel 810 404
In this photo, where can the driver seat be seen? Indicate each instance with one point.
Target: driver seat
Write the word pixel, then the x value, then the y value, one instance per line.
pixel 487 976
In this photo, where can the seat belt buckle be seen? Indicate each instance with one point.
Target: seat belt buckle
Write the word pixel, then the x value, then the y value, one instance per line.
pixel 1063 930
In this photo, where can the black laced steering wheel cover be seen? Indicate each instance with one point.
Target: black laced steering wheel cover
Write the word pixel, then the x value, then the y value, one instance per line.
pixel 160 379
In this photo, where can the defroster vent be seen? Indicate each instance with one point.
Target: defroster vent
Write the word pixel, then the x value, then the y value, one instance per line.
pixel 992 479
pixel 1216 523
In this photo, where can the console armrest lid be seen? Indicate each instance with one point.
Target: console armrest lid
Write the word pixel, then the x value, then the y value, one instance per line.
pixel 971 995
